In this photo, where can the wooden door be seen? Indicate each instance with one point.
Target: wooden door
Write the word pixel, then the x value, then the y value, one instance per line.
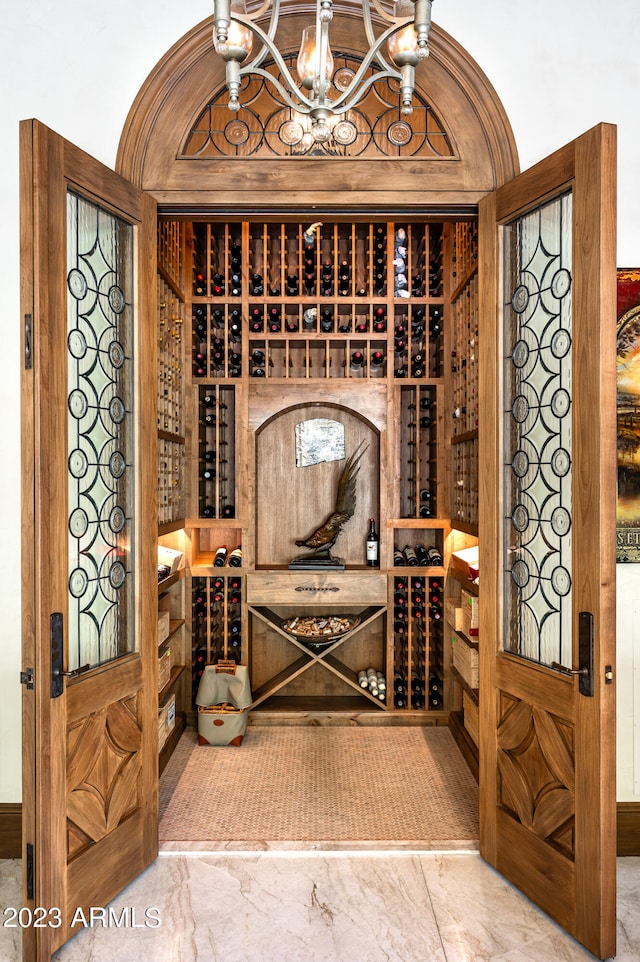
pixel 547 535
pixel 89 504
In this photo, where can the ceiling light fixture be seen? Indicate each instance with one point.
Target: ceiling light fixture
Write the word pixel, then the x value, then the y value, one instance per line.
pixel 406 37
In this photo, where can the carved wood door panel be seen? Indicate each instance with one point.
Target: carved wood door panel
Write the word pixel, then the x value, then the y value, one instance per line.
pixel 90 595
pixel 547 535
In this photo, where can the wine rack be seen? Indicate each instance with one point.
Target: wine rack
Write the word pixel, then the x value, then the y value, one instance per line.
pixel 418 643
pixel 418 452
pixel 170 481
pixel 172 397
pixel 170 380
pixel 216 451
pixel 216 623
pixel 464 378
pixel 464 500
pixel 284 318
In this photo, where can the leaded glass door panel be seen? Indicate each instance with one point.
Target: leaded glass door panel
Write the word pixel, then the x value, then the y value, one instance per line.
pixel 547 527
pixel 90 595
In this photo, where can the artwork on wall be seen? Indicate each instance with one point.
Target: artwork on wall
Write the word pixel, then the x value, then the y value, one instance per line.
pixel 628 411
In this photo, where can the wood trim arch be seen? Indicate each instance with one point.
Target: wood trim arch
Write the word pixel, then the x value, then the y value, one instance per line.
pixel 183 81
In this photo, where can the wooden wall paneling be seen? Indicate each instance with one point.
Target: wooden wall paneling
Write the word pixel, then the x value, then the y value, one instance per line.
pixel 181 84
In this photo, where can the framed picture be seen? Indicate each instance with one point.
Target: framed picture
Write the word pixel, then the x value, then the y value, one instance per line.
pixel 628 410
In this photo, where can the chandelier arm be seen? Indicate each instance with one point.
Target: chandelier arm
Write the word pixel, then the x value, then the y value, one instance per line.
pixel 273 26
pixel 396 23
pixel 269 47
pixel 343 107
pixel 384 14
pixel 256 14
pixel 372 54
pixel 305 105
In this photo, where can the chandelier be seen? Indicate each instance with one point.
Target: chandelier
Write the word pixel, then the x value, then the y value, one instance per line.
pixel 406 37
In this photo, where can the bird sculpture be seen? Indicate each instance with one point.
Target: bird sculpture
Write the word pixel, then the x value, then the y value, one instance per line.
pixel 323 538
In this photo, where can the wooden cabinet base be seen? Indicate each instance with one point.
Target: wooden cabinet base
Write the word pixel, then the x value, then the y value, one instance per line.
pixel 464 741
pixel 171 742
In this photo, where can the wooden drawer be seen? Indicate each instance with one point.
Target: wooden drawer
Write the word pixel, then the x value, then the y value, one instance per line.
pixel 316 588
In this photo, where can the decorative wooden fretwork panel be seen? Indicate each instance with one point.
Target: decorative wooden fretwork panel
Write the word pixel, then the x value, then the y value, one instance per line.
pixel 103 773
pixel 537 771
pixel 266 127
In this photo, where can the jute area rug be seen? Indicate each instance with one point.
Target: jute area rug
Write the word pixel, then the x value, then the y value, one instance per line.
pixel 319 784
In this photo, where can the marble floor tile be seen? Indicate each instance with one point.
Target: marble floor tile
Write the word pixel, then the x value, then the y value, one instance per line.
pixel 350 906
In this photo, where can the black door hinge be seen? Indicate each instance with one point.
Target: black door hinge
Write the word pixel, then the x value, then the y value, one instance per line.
pixel 30 878
pixel 27 678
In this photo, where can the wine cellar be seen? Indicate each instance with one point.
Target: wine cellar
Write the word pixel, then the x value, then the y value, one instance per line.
pixel 369 327
pixel 314 384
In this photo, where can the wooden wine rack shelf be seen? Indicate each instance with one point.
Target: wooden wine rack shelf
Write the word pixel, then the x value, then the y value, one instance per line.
pixel 326 658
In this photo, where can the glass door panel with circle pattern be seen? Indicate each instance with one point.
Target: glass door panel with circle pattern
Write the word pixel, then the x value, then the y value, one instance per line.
pixel 100 414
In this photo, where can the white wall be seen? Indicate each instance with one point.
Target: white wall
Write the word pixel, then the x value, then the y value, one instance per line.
pixel 558 69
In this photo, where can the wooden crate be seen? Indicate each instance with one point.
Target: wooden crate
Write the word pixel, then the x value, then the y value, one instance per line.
pixel 454 613
pixel 465 660
pixel 164 668
pixel 166 720
pixel 470 710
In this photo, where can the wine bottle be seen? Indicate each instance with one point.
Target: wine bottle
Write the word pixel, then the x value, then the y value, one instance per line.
pixel 256 320
pixel 326 322
pixel 434 558
pixel 357 360
pixel 344 279
pixel 326 280
pixel 228 511
pixel 417 365
pixel 275 321
pixel 217 360
pixel 398 558
pixel 200 364
pixel 410 556
pixel 257 285
pixel 235 557
pixel 379 320
pixel 199 285
pixel 220 558
pixel 217 288
pixel 208 511
pixel 373 544
pixel 376 364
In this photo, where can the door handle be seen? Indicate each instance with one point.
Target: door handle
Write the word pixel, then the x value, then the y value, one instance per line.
pixel 56 637
pixel 585 656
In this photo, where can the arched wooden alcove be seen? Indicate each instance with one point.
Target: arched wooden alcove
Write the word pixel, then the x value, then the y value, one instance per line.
pixel 484 154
